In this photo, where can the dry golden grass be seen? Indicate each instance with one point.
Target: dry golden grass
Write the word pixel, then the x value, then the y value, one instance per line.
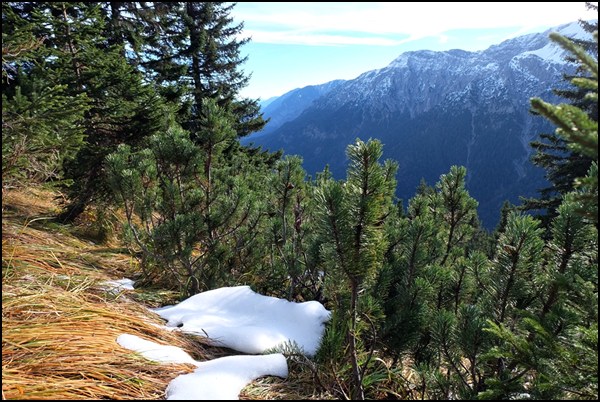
pixel 300 385
pixel 59 325
pixel 29 202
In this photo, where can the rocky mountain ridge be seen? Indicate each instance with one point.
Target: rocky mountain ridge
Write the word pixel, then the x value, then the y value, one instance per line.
pixel 432 110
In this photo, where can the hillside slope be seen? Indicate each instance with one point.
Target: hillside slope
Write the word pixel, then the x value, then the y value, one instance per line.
pixel 60 322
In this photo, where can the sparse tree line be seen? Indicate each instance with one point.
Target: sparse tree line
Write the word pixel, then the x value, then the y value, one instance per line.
pixel 135 106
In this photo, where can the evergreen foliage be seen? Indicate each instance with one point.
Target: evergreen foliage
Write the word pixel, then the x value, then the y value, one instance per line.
pixel 184 205
pixel 352 215
pixel 552 152
pixel 120 109
pixel 288 226
pixel 138 103
pixel 197 56
pixel 576 126
pixel 42 125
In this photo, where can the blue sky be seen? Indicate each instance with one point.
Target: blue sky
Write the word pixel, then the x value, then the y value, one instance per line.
pixel 297 44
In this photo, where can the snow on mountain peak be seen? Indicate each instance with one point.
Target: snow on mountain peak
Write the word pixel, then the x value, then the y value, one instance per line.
pixel 534 44
pixel 573 30
pixel 552 52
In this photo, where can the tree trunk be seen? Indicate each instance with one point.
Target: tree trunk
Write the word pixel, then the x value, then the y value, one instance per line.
pixel 72 211
pixel 358 393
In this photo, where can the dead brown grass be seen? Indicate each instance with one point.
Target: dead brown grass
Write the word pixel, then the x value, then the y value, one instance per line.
pixel 58 324
pixel 29 202
pixel 300 385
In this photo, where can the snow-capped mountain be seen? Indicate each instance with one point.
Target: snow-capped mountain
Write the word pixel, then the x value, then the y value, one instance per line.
pixel 432 110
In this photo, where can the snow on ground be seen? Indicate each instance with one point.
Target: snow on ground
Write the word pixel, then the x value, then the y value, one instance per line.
pixel 154 351
pixel 118 285
pixel 221 378
pixel 240 319
pixel 225 377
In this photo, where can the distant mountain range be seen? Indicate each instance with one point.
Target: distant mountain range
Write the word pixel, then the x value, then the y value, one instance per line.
pixel 432 110
pixel 284 108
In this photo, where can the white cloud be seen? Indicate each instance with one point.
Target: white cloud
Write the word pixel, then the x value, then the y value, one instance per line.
pixel 302 38
pixel 382 23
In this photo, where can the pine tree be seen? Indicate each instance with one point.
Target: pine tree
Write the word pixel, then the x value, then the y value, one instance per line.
pixel 414 245
pixel 551 343
pixel 552 153
pixel 562 167
pixel 352 215
pixel 433 294
pixel 132 25
pixel 41 122
pixel 288 182
pixel 510 288
pixel 190 52
pixel 576 126
pixel 557 337
pixel 184 213
pixel 154 185
pixel 122 109
pixel 457 208
pixel 197 56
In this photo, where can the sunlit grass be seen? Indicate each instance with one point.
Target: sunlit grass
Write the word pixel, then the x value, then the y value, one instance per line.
pixel 59 324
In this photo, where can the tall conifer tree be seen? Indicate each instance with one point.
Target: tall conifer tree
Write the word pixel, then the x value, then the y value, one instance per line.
pixel 352 216
pixel 121 108
pixel 577 127
pixel 197 56
pixel 42 124
pixel 552 152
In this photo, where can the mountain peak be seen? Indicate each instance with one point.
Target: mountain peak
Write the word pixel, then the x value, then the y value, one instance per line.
pixel 572 30
pixel 413 55
pixel 537 44
pixel 435 109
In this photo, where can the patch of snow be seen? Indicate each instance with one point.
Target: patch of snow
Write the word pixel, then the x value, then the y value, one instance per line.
pixel 154 351
pixel 574 30
pixel 119 285
pixel 551 53
pixel 240 319
pixel 224 378
pixel 221 378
